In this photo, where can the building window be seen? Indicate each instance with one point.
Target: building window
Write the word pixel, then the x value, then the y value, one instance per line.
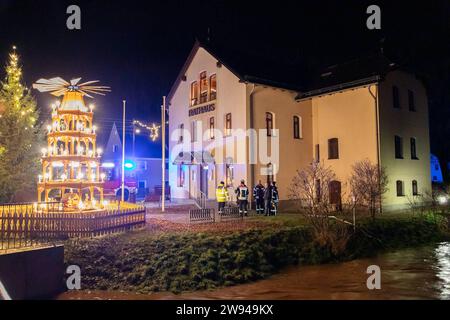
pixel 180 176
pixel 228 124
pixel 213 87
pixel 400 189
pixel 194 131
pixel 211 128
pixel 318 191
pixel 142 184
pixel 411 102
pixel 142 165
pixel 333 148
pixel 181 137
pixel 398 147
pixel 317 153
pixel 298 127
pixel 229 174
pixel 395 97
pixel 194 93
pixel 270 177
pixel 115 148
pixel 415 190
pixel 203 87
pixel 413 149
pixel 269 123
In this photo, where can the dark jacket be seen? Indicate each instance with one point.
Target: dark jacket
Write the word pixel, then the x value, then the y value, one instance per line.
pixel 258 191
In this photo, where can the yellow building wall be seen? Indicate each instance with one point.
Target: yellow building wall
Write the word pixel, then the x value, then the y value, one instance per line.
pixel 294 154
pixel 349 116
pixel 405 124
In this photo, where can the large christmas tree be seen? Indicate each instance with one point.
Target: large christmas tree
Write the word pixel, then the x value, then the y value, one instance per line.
pixel 20 136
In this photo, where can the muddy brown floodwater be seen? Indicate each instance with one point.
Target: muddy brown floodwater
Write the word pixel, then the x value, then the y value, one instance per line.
pixel 414 273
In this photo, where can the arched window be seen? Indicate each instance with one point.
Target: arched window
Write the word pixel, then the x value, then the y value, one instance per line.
pixel 298 134
pixel 269 123
pixel 415 189
pixel 212 87
pixel 194 93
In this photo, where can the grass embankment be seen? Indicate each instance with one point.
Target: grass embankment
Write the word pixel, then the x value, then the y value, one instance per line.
pixel 186 260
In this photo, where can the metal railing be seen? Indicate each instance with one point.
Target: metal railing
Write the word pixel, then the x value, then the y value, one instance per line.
pixel 28 225
pixel 201 199
pixel 202 215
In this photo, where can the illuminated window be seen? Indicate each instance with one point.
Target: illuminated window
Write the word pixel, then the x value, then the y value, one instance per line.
pixel 180 176
pixel 398 142
pixel 211 127
pixel 298 134
pixel 413 149
pixel 203 87
pixel 269 123
pixel 228 124
pixel 400 189
pixel 194 93
pixel 333 148
pixel 270 170
pixel 395 97
pixel 229 174
pixel 415 190
pixel 411 102
pixel 212 87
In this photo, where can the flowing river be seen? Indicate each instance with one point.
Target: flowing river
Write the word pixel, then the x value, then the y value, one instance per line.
pixel 413 273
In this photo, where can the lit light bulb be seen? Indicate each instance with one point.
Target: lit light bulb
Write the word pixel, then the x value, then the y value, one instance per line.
pixel 80 176
pixel 40 177
pixel 49 128
pixel 94 128
pixel 44 151
pixel 138 131
pixel 103 176
pixel 58 103
pixel 93 177
pixel 63 177
pixel 99 151
pixel 91 107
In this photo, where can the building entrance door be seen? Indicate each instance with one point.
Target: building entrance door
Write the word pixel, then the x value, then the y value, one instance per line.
pixel 203 180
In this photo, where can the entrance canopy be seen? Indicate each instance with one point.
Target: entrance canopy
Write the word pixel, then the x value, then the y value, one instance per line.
pixel 194 158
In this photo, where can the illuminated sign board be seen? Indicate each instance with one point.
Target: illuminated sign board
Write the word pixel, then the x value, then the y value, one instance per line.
pixel 203 109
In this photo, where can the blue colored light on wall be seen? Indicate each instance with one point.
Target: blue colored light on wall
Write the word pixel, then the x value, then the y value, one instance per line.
pixel 129 165
pixel 436 172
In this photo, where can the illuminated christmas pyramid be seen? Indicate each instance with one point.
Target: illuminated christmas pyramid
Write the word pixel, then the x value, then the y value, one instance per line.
pixel 71 160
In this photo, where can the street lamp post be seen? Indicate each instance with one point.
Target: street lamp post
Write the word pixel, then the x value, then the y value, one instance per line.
pixel 123 153
pixel 163 153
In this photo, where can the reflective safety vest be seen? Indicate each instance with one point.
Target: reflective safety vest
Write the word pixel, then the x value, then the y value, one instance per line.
pixel 221 194
pixel 242 193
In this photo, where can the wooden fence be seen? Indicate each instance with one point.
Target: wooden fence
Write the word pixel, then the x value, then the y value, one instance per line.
pixel 23 225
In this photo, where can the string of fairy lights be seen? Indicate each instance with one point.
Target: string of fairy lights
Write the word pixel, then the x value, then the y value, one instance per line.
pixel 153 129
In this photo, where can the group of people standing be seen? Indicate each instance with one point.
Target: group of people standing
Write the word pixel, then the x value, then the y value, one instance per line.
pixel 266 198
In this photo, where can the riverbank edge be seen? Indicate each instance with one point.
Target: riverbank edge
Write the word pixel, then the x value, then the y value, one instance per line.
pixel 183 262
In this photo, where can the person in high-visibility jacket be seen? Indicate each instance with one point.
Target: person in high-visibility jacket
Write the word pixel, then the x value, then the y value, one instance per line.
pixel 221 196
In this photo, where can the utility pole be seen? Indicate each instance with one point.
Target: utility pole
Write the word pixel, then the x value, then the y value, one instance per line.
pixel 163 153
pixel 123 153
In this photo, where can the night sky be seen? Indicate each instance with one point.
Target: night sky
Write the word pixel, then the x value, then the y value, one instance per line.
pixel 138 47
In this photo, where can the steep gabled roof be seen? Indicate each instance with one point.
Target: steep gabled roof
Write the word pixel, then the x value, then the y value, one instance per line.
pixel 248 68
